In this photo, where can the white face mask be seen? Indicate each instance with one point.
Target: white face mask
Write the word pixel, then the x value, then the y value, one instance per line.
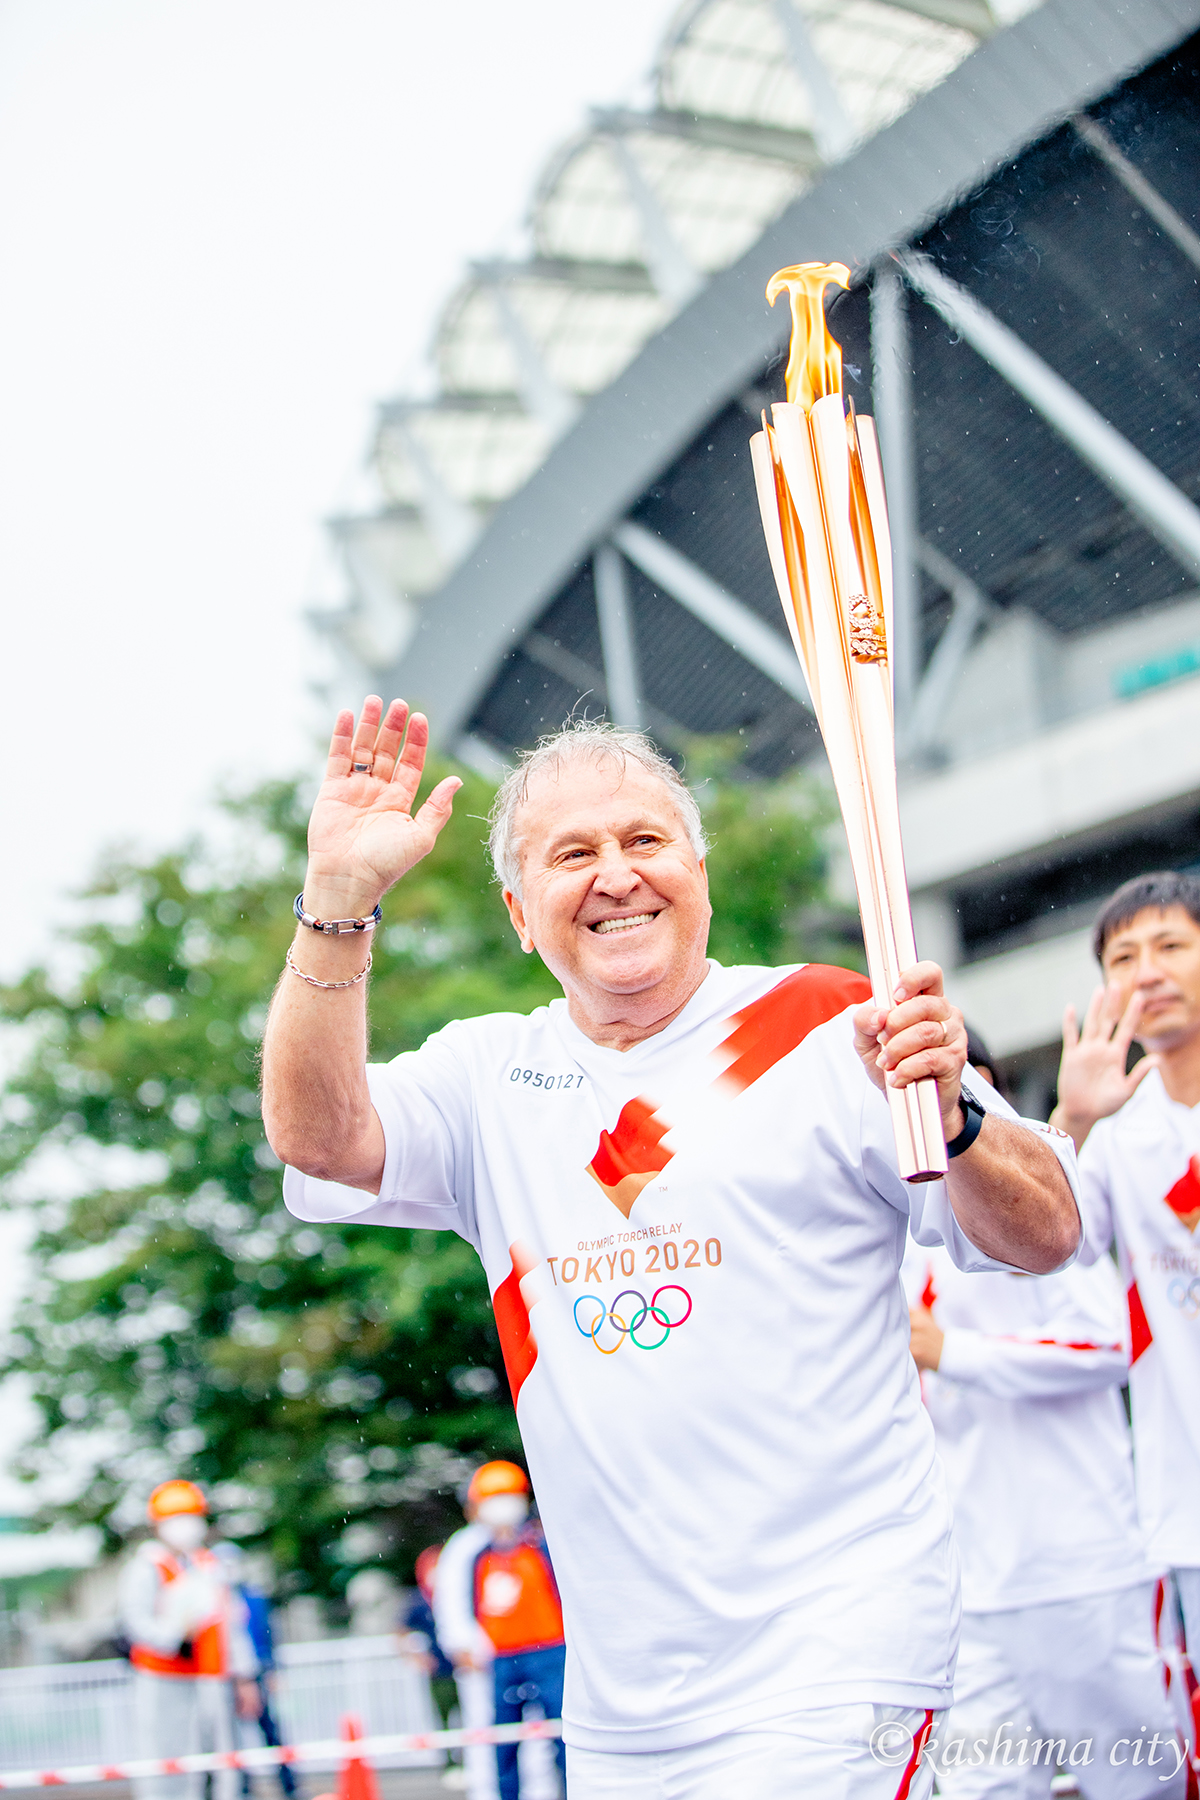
pixel 183 1531
pixel 503 1511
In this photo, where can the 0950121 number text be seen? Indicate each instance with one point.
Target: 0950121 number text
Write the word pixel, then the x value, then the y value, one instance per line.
pixel 538 1078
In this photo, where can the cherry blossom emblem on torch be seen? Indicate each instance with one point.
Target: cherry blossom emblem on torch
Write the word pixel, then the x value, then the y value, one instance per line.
pixel 820 492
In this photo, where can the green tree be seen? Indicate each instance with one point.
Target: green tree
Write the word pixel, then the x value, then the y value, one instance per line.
pixel 330 1387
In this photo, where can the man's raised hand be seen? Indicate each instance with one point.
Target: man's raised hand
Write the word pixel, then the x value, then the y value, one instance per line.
pixel 363 835
pixel 1092 1082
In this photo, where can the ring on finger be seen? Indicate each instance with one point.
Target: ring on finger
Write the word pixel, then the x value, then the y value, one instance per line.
pixel 364 768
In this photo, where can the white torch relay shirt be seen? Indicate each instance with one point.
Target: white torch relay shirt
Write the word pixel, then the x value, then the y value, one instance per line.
pixel 693 1248
pixel 1031 1430
pixel 1140 1181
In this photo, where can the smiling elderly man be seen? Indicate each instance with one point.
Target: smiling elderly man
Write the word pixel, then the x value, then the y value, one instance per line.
pixel 682 1182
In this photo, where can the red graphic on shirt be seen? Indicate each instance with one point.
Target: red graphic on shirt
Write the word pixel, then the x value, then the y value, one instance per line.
pixel 1140 1335
pixel 517 1342
pixel 631 1154
pixel 1066 1344
pixel 770 1028
pixel 914 1761
pixel 1184 1197
pixel 928 1292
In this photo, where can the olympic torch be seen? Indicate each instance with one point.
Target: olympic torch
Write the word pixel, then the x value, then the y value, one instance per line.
pixel 820 490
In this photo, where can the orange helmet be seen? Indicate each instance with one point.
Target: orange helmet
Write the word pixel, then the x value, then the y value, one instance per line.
pixel 175 1497
pixel 496 1478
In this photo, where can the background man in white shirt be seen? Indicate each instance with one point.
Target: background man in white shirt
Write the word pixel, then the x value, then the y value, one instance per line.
pixel 1058 1658
pixel 1139 1138
pixel 682 1182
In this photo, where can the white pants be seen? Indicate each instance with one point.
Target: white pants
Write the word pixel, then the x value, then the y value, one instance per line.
pixel 477 1704
pixel 1187 1581
pixel 1084 1676
pixel 180 1716
pixel 826 1753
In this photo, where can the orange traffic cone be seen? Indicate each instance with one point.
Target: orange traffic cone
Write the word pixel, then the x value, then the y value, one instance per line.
pixel 356 1778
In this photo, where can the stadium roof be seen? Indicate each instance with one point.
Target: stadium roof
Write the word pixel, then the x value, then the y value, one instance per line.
pixel 752 99
pixel 624 557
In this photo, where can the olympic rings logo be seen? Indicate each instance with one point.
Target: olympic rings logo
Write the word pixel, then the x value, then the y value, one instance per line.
pixel 659 1318
pixel 1186 1296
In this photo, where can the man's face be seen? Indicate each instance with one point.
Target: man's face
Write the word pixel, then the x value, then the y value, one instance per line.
pixel 614 898
pixel 1157 956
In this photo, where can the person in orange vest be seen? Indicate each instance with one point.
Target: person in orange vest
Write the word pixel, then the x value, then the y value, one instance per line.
pixel 189 1646
pixel 509 1601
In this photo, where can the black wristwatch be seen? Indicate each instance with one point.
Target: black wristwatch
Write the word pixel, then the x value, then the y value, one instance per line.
pixel 974 1114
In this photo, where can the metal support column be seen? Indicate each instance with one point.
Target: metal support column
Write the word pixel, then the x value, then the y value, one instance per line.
pixel 452 524
pixel 707 601
pixel 1165 512
pixel 891 360
pixel 616 637
pixel 673 274
pixel 972 608
pixel 539 391
pixel 1139 189
pixel 833 127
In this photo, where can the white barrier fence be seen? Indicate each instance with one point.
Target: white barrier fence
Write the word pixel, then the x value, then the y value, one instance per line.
pixel 380 1750
pixel 82 1713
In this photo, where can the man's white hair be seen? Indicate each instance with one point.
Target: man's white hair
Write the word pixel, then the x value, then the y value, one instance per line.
pixel 581 740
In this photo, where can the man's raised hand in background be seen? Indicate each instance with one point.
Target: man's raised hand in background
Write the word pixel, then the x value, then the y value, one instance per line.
pixel 1092 1083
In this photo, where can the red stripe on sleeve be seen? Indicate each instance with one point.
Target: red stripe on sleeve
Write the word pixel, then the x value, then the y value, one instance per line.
pixel 1061 1344
pixel 914 1761
pixel 771 1027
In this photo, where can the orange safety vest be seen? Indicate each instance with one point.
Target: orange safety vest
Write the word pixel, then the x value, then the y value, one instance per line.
pixel 207 1653
pixel 516 1599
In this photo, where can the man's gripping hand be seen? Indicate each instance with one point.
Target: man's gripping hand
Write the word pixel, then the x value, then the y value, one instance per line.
pixel 363 835
pixel 922 1036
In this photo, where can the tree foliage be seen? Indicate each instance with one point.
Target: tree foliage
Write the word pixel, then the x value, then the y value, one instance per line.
pixel 330 1387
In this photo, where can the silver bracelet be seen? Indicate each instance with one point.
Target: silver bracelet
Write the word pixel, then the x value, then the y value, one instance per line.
pixel 313 982
pixel 335 927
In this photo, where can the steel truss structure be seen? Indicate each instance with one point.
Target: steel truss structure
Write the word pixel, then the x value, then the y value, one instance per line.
pixel 573 513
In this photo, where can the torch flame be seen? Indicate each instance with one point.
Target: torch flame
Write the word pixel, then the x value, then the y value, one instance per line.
pixel 815 363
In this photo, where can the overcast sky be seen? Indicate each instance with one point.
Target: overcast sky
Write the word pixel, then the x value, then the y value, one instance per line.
pixel 226 228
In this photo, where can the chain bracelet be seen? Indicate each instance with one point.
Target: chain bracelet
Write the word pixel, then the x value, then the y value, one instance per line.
pixel 313 982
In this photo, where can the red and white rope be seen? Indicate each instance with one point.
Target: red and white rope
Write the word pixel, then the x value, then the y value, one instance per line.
pixel 328 1750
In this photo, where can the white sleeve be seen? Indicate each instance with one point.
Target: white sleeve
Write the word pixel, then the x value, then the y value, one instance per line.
pixel 1026 1368
pixel 144 1619
pixel 458 1630
pixel 423 1100
pixel 1095 1201
pixel 931 1217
